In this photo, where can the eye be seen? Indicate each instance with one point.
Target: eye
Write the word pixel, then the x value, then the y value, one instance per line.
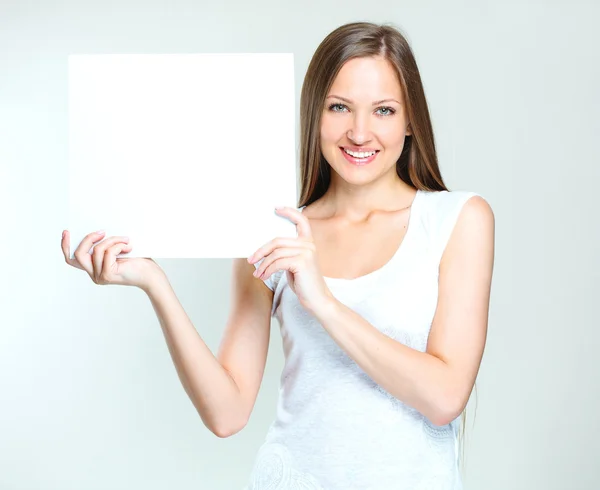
pixel 389 111
pixel 333 107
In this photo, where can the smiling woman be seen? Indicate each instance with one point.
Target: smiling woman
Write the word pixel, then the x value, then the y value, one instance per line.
pixel 383 296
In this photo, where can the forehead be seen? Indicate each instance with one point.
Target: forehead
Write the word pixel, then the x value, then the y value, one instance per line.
pixel 367 78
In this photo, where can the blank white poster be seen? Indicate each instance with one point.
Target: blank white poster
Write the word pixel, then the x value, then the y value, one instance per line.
pixel 186 154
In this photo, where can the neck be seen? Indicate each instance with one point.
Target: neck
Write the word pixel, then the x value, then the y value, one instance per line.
pixel 358 202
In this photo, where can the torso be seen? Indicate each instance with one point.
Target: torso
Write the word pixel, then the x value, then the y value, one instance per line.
pixel 335 427
pixel 349 250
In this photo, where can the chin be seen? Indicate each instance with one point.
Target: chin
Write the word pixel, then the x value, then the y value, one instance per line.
pixel 356 176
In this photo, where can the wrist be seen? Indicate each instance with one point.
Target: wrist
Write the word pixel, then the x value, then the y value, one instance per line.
pixel 155 280
pixel 327 308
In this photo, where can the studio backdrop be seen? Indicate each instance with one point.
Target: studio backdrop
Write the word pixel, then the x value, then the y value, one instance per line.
pixel 89 396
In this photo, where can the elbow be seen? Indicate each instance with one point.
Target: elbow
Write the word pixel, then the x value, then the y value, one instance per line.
pixel 446 410
pixel 441 418
pixel 223 432
pixel 224 429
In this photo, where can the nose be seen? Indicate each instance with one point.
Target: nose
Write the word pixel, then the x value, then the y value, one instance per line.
pixel 359 132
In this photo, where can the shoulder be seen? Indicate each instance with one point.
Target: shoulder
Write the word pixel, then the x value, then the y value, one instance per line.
pixel 443 210
pixel 442 205
pixel 443 200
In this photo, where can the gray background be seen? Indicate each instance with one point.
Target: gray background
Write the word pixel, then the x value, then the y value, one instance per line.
pixel 89 397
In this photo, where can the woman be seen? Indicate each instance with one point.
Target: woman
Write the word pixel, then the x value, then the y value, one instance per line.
pixel 382 298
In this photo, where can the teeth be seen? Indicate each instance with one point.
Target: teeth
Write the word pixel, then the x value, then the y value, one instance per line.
pixel 360 154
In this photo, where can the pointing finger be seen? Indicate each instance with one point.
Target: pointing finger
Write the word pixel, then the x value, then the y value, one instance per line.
pixel 301 221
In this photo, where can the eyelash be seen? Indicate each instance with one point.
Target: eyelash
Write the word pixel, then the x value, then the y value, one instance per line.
pixel 391 110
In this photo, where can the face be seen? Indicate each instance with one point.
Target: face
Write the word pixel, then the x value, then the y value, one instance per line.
pixel 364 115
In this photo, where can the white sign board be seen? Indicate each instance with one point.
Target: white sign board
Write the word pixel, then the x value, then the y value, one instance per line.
pixel 186 154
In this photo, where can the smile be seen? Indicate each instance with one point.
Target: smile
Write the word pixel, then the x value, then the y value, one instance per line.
pixel 359 157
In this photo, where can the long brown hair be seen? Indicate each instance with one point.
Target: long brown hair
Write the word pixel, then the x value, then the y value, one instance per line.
pixel 418 163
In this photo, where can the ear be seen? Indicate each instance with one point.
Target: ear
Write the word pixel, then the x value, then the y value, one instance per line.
pixel 408 130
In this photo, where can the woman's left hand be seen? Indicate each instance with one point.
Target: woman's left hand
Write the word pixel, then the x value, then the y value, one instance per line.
pixel 297 256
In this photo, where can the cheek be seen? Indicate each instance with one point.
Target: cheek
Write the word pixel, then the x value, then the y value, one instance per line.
pixel 331 129
pixel 391 135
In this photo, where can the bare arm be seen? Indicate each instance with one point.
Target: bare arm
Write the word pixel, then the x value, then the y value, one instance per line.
pixel 224 388
pixel 437 382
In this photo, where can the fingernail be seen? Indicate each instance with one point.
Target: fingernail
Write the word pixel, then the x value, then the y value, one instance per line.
pixel 278 208
pixel 101 232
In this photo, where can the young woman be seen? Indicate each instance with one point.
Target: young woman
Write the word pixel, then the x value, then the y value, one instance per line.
pixel 382 298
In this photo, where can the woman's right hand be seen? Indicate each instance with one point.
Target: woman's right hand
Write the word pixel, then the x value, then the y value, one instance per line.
pixel 104 267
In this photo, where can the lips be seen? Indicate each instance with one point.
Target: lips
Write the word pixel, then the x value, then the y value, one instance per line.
pixel 359 161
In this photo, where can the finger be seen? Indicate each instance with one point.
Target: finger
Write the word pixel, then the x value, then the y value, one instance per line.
pixel 110 259
pixel 98 253
pixel 82 252
pixel 280 253
pixel 65 246
pixel 283 264
pixel 301 221
pixel 281 242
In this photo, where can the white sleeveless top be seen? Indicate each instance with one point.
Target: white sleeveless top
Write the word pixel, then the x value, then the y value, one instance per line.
pixel 335 428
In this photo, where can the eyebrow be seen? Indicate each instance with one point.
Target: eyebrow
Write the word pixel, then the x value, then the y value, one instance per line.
pixel 374 103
